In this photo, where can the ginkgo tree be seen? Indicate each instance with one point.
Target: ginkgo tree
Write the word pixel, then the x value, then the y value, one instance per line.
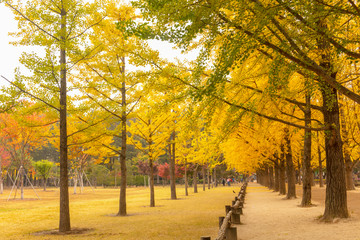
pixel 184 149
pixel 59 28
pixel 149 134
pixel 113 81
pixel 87 138
pixel 301 37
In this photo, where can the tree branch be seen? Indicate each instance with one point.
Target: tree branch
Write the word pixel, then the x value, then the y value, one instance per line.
pixel 22 90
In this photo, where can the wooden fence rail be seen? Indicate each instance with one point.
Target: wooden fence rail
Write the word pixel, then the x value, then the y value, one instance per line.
pixel 233 212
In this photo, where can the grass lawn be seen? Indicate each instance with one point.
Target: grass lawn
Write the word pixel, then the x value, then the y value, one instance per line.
pixel 189 217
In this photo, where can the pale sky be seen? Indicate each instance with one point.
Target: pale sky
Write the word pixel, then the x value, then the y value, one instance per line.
pixel 9 54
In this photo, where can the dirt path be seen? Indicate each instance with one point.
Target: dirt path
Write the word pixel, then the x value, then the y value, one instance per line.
pixel 268 216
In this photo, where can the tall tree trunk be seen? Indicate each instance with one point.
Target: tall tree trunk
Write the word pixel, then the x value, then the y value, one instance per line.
pixel 306 197
pixel 336 199
pixel 321 174
pixel 271 177
pixel 214 178
pixel 348 163
pixel 64 224
pixel 186 179
pixel 259 177
pixel 75 181
pixel 203 177
pixel 22 172
pixel 195 179
pixel 321 178
pixel 291 193
pixel 8 181
pixel 313 178
pixel 265 176
pixel 172 165
pixel 115 179
pixel 81 182
pixel 349 173
pixel 277 178
pixel 152 190
pixel 282 185
pixel 208 178
pixel 298 171
pixel 123 170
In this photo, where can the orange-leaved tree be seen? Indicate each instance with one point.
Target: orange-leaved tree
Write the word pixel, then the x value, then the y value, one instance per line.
pixel 20 134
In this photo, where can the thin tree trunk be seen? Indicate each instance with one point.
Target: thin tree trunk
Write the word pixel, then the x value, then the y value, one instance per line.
pixel 186 179
pixel 172 165
pixel 271 177
pixel 45 182
pixel 123 170
pixel 115 173
pixel 282 185
pixel 75 181
pixel 208 178
pixel 203 176
pixel 306 197
pixel 277 178
pixel 291 193
pixel 265 176
pixel 64 223
pixel 152 190
pixel 321 177
pixel 215 179
pixel 195 180
pixel 22 182
pixel 81 182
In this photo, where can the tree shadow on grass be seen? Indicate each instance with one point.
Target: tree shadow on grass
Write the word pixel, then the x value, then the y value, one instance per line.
pixel 172 199
pixel 73 231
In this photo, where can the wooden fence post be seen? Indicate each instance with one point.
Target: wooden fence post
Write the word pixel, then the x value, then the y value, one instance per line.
pixel 205 238
pixel 231 233
pixel 221 220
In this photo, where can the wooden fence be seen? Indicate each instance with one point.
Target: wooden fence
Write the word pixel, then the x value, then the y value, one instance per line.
pixel 227 230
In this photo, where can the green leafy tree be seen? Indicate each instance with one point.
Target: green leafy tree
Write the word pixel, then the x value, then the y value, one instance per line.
pixel 43 169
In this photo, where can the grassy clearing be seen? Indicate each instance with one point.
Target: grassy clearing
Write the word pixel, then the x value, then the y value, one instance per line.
pixel 189 217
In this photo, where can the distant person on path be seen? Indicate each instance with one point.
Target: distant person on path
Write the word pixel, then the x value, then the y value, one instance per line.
pixel 228 181
pixel 223 181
